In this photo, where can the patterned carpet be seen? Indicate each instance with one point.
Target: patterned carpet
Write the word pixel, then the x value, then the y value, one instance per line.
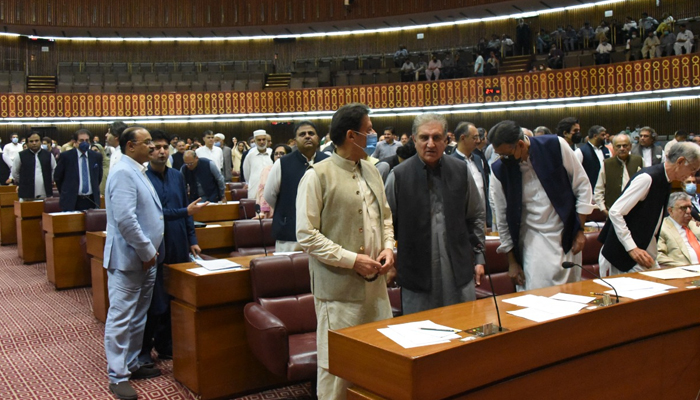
pixel 51 346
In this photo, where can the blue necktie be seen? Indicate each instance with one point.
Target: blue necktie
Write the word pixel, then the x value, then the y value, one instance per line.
pixel 84 185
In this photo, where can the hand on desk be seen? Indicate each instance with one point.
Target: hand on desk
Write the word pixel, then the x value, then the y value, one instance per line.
pixel 195 250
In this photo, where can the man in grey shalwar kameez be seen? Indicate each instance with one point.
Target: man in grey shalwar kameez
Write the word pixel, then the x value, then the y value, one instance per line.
pixel 438 222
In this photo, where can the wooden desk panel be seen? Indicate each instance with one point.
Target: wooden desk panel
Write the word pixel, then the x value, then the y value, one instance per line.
pixel 529 352
pixel 210 349
pixel 8 227
pixel 216 237
pixel 30 238
pixel 65 265
pixel 8 189
pixel 218 212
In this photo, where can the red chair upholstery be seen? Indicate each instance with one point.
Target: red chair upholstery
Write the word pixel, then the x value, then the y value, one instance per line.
pixel 281 322
pixel 237 194
pixel 498 266
pixel 95 221
pixel 590 254
pixel 597 216
pixel 51 205
pixel 246 208
pixel 250 239
pixel 235 185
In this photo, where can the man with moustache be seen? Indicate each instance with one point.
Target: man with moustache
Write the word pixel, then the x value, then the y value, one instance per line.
pixel 615 173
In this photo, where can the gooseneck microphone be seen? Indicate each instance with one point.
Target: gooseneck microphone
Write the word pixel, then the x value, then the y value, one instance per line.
pixel 569 264
pixel 493 294
pixel 262 231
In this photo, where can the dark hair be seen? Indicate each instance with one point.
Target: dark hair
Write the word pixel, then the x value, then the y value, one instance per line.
pixel 46 139
pixel 407 150
pixel 565 125
pixel 682 133
pixel 347 118
pixel 207 133
pixel 158 134
pixel 175 137
pixel 31 133
pixel 116 128
pixel 482 133
pixel 304 123
pixel 129 135
pixel 505 132
pixel 390 129
pixel 594 130
pixel 81 131
pixel 461 129
pixel 287 150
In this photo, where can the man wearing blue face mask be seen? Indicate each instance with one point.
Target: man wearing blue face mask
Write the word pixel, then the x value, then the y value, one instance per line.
pixel 691 188
pixel 548 197
pixel 33 169
pixel 10 151
pixel 78 175
pixel 211 152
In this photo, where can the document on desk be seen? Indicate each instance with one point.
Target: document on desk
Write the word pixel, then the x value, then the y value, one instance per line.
pixel 575 298
pixel 419 333
pixel 673 273
pixel 692 268
pixel 66 213
pixel 634 288
pixel 540 309
pixel 218 265
pixel 286 253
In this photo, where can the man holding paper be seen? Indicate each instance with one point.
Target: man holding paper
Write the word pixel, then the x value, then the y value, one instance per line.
pixel 344 223
pixel 678 240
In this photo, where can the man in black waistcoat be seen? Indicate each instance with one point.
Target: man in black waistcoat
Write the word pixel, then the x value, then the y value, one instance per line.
pixel 439 222
pixel 78 175
pixel 634 222
pixel 203 178
pixel 178 161
pixel 592 154
pixel 33 170
pixel 283 180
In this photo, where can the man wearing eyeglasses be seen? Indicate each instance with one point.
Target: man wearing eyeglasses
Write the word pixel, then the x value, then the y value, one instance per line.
pixel 541 196
pixel 203 178
pixel 615 173
pixel 678 240
pixel 283 182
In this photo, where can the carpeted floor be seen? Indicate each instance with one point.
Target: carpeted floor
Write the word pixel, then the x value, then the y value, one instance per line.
pixel 51 346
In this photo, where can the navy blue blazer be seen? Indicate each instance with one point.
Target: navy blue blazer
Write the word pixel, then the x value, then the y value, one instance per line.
pixel 67 178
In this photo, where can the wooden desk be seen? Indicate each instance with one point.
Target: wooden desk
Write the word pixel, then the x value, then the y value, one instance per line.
pixel 65 265
pixel 8 227
pixel 30 238
pixel 218 212
pixel 216 241
pixel 210 349
pixel 640 349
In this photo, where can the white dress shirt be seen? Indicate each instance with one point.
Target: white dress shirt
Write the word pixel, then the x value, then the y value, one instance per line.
pixel 9 152
pixel 39 190
pixel 80 174
pixel 115 157
pixel 598 152
pixel 215 154
pixel 476 174
pixel 647 155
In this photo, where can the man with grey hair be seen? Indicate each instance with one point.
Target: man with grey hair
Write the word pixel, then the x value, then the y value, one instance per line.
pixel 592 154
pixel 629 235
pixel 436 205
pixel 540 197
pixel 542 130
pixel 651 153
pixel 615 173
pixel 678 240
pixel 227 169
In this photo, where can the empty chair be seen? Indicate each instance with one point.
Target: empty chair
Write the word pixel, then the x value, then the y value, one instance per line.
pixel 373 62
pixel 161 68
pixel 246 208
pixel 251 239
pixel 296 83
pixel 169 87
pixel 125 87
pixel 255 84
pixel 202 77
pixel 95 88
pixel 189 77
pixel 227 66
pixel 341 79
pixel 183 86
pixel 229 76
pixel 136 78
pixel 350 63
pixel 140 87
pixel 95 221
pixel 109 77
pixel 617 57
pixel 64 68
pixel 150 77
pixel 355 78
pixel 226 86
pixel 240 85
pixel 212 86
pixel 213 67
pixel 123 77
pixel 62 78
pixel 589 255
pixel 176 77
pixel 197 87
pixel 324 76
pixel 311 82
pixel 368 78
pixel 92 68
pixel 78 87
pixel 571 61
pixel 95 78
pixel 254 66
pixel 187 67
pixel 239 65
pixel 381 76
pixel 145 67
pixel 238 194
pixel 154 87
pixel 163 77
pixel 79 78
pixel 258 76
pixel 236 185
pixel 120 68
pixel 111 87
pixel 497 264
pixel 62 87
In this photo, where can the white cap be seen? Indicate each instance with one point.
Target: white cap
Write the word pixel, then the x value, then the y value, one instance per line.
pixel 220 136
pixel 260 132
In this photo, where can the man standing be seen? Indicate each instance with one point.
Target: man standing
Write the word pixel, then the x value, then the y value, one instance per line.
pixel 256 160
pixel 10 151
pixel 227 169
pixel 388 146
pixel 344 224
pixel 592 154
pixel 112 139
pixel 78 175
pixel 203 178
pixel 431 195
pixel 615 173
pixel 180 241
pixel 569 129
pixel 172 149
pixel 468 139
pixel 548 198
pixel 283 181
pixel 651 154
pixel 133 248
pixel 629 235
pixel 177 157
pixel 678 240
pixel 680 136
pixel 211 152
pixel 32 170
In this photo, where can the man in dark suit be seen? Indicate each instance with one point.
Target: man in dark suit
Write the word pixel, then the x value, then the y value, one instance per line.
pixel 468 138
pixel 78 175
pixel 651 153
pixel 178 162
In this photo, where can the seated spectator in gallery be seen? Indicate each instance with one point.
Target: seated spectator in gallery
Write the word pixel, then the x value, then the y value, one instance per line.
pixel 433 69
pixel 555 59
pixel 602 52
pixel 651 43
pixel 634 47
pixel 544 41
pixel 407 71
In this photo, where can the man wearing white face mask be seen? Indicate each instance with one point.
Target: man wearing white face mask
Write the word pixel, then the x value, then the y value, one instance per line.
pixel 10 151
pixel 256 160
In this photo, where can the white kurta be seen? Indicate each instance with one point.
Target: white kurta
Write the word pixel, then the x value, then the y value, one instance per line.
pixel 541 227
pixel 253 165
pixel 214 154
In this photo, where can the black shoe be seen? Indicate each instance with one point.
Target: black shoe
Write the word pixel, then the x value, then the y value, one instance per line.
pixel 145 373
pixel 165 356
pixel 123 390
pixel 149 364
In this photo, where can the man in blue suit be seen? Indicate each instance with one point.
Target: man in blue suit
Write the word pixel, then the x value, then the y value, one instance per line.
pixel 134 247
pixel 78 175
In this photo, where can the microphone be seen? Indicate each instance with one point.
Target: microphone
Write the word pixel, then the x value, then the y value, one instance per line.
pixel 569 264
pixel 493 294
pixel 262 231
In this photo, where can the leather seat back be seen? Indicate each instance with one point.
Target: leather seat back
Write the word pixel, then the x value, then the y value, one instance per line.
pixel 246 208
pixel 237 194
pixel 498 266
pixel 51 205
pixel 251 239
pixel 95 220
pixel 590 254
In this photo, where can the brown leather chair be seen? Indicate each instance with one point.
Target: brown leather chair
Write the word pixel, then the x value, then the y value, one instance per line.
pixel 238 194
pixel 52 205
pixel 590 254
pixel 235 185
pixel 597 216
pixel 250 239
pixel 281 322
pixel 95 221
pixel 498 266
pixel 246 208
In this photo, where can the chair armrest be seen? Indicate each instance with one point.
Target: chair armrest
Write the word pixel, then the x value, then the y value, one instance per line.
pixel 268 338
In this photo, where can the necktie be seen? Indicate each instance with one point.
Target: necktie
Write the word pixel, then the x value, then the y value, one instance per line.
pixel 84 184
pixel 693 241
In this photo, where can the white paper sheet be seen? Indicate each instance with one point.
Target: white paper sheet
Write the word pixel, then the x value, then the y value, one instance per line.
pixel 218 265
pixel 636 294
pixel 212 226
pixel 629 284
pixel 203 271
pixel 693 268
pixel 410 334
pixel 286 253
pixel 546 304
pixel 575 298
pixel 66 213
pixel 671 273
pixel 538 315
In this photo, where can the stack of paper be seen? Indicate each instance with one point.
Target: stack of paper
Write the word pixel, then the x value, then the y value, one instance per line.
pixel 634 288
pixel 211 266
pixel 540 309
pixel 674 273
pixel 420 333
